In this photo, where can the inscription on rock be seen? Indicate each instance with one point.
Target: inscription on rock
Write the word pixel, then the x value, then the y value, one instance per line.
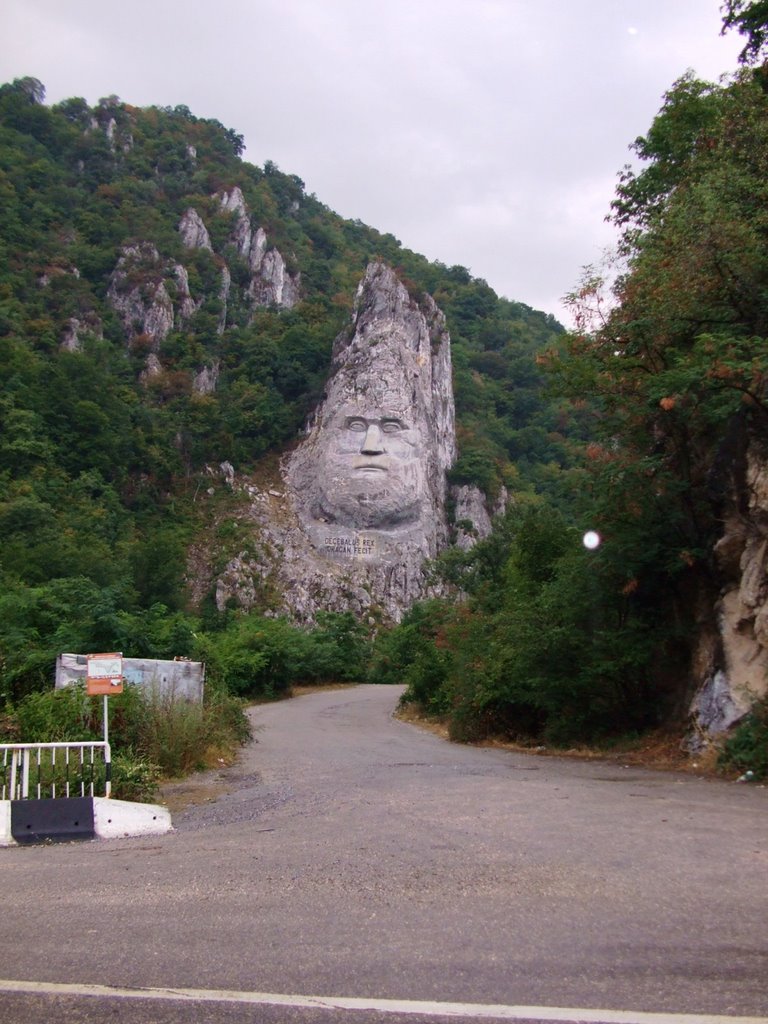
pixel 354 546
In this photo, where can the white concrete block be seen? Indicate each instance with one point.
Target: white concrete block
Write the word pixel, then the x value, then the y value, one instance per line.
pixel 114 819
pixel 6 839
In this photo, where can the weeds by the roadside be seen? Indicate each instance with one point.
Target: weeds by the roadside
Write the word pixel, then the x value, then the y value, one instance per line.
pixel 153 735
pixel 747 749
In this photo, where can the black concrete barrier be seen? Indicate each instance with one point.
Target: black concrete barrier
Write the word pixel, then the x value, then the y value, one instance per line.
pixel 58 821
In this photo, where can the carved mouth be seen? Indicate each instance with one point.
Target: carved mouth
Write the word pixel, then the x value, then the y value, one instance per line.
pixel 371 466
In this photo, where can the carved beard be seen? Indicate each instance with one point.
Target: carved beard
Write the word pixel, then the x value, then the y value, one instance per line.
pixel 382 499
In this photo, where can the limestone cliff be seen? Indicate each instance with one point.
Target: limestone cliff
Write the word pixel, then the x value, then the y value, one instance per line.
pixel 138 295
pixel 731 658
pixel 194 233
pixel 471 516
pixel 361 504
pixel 151 294
pixel 271 284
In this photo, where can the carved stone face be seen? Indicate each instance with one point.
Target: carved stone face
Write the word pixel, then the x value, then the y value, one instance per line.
pixel 369 469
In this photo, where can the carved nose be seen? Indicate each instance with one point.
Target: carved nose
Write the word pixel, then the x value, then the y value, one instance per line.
pixel 372 442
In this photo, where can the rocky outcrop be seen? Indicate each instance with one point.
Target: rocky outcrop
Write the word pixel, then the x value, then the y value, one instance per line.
pixel 271 284
pixel 186 307
pixel 117 132
pixel 226 285
pixel 257 250
pixel 205 380
pixel 152 368
pixel 361 505
pixel 472 520
pixel 734 663
pixel 194 233
pixel 138 295
pixel 76 328
pixel 233 202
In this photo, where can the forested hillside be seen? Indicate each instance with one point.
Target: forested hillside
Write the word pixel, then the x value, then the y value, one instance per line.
pixel 138 348
pixel 148 331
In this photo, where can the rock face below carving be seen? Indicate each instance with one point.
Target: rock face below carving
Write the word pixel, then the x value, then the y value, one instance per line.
pixel 362 501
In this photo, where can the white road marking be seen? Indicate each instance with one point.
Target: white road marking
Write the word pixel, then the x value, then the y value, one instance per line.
pixel 476 1011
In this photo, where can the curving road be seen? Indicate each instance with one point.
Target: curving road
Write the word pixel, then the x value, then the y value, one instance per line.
pixel 367 871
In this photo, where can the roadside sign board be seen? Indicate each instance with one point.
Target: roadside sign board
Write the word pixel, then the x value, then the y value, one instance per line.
pixel 104 674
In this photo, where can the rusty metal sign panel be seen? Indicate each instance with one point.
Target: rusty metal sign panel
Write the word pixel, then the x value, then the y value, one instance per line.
pixel 104 674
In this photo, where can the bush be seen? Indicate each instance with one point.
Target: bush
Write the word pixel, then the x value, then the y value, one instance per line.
pixel 548 646
pixel 414 653
pixel 134 777
pixel 257 656
pixel 182 736
pixel 747 749
pixel 54 716
pixel 152 735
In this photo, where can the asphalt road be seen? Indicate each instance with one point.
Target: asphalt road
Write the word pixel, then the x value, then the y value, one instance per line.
pixel 350 856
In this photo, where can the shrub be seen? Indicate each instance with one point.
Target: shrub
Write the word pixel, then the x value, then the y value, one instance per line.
pixel 152 735
pixel 747 748
pixel 54 716
pixel 134 777
pixel 413 653
pixel 257 656
pixel 181 736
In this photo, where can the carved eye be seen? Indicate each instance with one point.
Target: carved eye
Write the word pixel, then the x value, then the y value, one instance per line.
pixel 391 426
pixel 357 424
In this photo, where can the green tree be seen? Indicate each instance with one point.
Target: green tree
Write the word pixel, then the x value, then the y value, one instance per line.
pixel 750 19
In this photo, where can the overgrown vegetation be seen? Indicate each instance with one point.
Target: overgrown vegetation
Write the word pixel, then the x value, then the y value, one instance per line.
pixel 152 735
pixel 746 750
pixel 546 647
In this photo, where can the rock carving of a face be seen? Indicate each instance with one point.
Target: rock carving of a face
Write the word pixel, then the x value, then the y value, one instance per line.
pixel 369 469
pixel 376 451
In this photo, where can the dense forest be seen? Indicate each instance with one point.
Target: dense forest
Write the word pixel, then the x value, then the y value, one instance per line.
pixel 101 459
pixel 634 425
pixel 558 643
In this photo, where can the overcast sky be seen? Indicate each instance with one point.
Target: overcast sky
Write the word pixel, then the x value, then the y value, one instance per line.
pixel 482 132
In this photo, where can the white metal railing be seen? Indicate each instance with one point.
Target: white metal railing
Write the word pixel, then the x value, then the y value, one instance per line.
pixel 36 771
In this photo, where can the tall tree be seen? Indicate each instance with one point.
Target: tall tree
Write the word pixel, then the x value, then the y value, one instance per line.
pixel 750 18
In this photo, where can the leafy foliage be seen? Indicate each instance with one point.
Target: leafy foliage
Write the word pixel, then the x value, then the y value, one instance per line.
pixel 548 647
pixel 747 749
pixel 259 656
pixel 153 736
pixel 750 18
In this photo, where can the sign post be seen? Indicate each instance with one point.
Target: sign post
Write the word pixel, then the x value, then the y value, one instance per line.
pixel 104 676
